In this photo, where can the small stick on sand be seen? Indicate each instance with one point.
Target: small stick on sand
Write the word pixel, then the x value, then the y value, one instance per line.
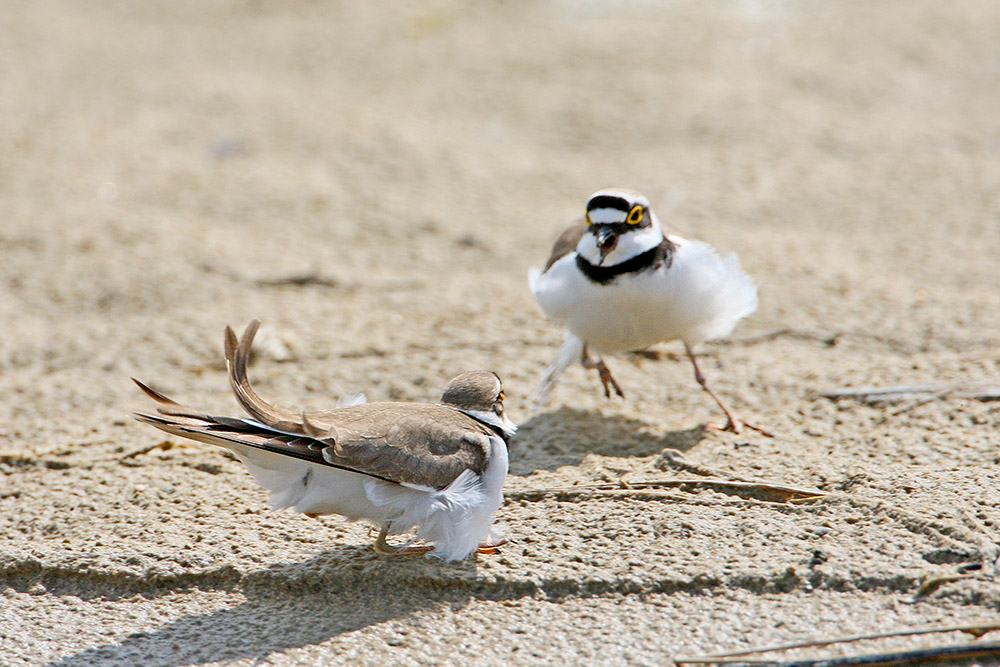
pixel 648 488
pixel 911 657
pixel 924 393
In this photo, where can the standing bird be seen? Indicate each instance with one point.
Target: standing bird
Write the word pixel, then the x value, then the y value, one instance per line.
pixel 439 468
pixel 618 283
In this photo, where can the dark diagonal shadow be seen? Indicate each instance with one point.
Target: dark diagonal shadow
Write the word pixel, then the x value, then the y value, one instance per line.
pixel 565 436
pixel 294 605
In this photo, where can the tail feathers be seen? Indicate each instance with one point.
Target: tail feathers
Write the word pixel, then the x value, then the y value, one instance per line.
pixel 260 446
pixel 194 430
pixel 734 297
pixel 237 359
pixel 168 406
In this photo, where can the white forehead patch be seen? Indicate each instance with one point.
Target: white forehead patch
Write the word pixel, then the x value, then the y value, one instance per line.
pixel 606 216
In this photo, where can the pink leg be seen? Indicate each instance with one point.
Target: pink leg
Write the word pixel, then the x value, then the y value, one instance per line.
pixel 607 379
pixel 733 423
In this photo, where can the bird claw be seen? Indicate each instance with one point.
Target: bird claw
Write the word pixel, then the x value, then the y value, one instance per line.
pixel 608 380
pixel 491 547
pixel 386 549
pixel 381 547
pixel 733 425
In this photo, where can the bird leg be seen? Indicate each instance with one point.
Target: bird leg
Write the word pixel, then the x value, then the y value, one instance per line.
pixel 382 547
pixel 386 549
pixel 733 423
pixel 607 379
pixel 569 353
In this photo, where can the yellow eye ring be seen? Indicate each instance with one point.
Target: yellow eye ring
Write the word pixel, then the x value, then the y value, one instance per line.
pixel 501 397
pixel 635 215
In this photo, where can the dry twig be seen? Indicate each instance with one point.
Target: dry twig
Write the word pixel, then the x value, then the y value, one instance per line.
pixel 906 657
pixel 649 488
pixel 922 393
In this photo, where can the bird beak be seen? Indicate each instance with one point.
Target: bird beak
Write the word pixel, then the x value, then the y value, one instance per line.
pixel 607 239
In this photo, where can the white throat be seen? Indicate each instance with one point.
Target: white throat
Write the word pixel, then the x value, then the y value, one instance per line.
pixel 631 243
pixel 490 418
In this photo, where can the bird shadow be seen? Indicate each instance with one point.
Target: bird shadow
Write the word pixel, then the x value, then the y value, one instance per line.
pixel 565 436
pixel 288 606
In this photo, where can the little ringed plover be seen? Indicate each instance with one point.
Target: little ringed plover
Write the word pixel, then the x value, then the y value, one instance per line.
pixel 618 283
pixel 438 468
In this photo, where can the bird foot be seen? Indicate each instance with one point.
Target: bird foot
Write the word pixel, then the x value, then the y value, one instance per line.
pixel 381 547
pixel 386 549
pixel 735 424
pixel 491 547
pixel 607 379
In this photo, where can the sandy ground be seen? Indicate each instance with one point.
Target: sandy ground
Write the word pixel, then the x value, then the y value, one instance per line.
pixel 169 168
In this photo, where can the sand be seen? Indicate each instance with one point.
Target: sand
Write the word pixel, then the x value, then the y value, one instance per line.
pixel 374 185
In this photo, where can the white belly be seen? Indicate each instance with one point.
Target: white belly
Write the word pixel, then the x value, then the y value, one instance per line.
pixel 700 296
pixel 455 519
pixel 310 487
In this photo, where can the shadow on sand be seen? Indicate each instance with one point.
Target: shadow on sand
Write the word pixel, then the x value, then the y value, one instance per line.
pixel 346 589
pixel 565 436
pixel 295 605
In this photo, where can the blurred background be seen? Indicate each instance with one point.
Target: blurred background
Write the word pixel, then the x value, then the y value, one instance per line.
pixel 374 185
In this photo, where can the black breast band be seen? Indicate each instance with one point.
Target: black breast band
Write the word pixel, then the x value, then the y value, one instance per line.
pixel 641 262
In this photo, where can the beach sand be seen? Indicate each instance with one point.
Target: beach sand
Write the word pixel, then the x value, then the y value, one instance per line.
pixel 374 185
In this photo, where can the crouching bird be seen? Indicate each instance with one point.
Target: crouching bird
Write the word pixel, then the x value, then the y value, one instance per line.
pixel 437 468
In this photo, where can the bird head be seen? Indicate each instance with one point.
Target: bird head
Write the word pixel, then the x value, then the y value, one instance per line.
pixel 480 395
pixel 620 225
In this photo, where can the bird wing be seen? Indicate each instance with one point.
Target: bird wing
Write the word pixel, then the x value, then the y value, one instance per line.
pixel 567 242
pixel 405 443
pixel 414 443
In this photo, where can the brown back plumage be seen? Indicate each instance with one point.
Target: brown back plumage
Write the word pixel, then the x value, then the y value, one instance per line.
pixel 414 443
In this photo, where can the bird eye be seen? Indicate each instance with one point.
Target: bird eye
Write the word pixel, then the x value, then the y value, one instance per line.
pixel 635 215
pixel 501 397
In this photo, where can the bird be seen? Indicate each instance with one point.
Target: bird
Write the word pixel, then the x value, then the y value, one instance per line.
pixel 437 468
pixel 618 283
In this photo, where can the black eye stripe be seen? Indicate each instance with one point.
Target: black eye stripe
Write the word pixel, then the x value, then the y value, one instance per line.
pixel 609 201
pixel 618 228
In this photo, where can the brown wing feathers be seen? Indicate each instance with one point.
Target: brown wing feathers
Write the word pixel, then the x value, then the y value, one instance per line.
pixel 415 443
pixel 567 242
pixel 214 430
